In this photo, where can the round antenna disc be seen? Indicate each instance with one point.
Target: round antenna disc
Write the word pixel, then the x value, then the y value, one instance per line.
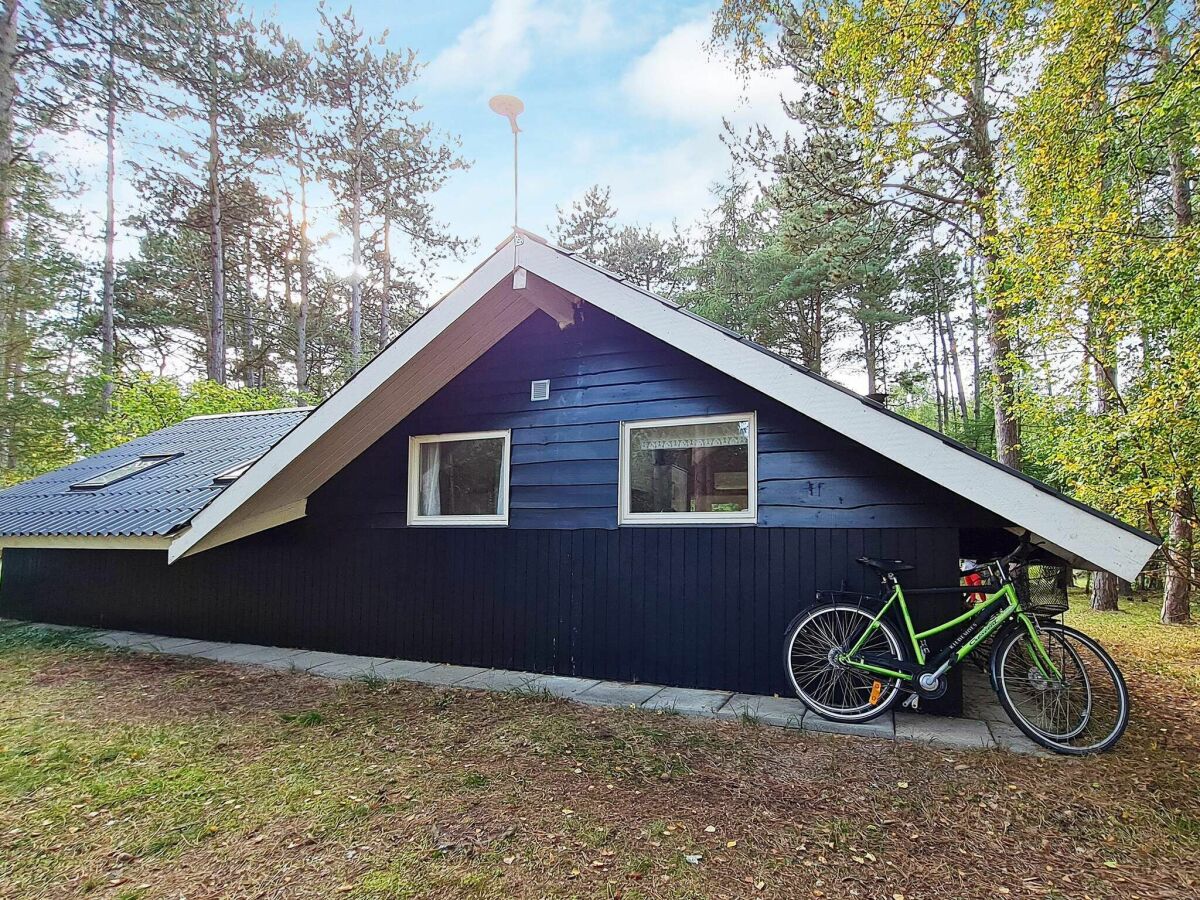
pixel 507 105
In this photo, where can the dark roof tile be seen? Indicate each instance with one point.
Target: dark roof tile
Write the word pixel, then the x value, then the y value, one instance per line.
pixel 158 501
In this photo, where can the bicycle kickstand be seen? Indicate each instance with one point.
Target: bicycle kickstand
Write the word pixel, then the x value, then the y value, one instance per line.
pixel 911 702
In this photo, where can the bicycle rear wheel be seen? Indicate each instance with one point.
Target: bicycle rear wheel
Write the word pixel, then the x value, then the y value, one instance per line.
pixel 1082 710
pixel 829 688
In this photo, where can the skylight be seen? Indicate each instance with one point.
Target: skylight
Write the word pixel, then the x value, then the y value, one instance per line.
pixel 120 473
pixel 232 474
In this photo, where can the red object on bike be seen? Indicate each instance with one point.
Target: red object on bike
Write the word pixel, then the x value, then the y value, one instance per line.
pixel 973 579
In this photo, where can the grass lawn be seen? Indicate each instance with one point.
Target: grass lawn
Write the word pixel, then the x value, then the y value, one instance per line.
pixel 126 776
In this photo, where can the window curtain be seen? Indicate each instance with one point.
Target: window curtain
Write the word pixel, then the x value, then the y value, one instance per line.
pixel 431 476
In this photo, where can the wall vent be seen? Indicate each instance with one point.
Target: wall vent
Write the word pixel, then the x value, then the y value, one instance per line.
pixel 539 390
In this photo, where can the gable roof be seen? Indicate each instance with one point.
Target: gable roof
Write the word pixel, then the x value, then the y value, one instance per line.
pixel 151 504
pixel 525 274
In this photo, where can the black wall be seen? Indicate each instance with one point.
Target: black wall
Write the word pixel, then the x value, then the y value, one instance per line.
pixel 564 450
pixel 696 607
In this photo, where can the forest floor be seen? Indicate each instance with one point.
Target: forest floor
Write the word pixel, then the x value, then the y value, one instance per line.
pixel 127 776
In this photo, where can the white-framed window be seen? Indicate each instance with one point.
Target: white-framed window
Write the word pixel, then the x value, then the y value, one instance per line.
pixel 459 479
pixel 689 470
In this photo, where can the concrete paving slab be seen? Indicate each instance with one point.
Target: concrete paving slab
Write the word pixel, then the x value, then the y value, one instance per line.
pixel 615 693
pixel 987 712
pixel 273 658
pixel 175 644
pixel 347 667
pixel 1009 737
pixel 240 653
pixel 117 638
pixel 306 660
pixel 196 648
pixel 45 626
pixel 562 685
pixel 783 712
pixel 446 674
pixel 966 734
pixel 498 680
pixel 401 669
pixel 688 701
pixel 883 727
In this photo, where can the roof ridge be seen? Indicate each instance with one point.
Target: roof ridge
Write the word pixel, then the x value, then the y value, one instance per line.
pixel 250 412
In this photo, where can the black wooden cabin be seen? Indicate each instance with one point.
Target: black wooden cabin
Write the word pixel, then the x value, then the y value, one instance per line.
pixel 552 471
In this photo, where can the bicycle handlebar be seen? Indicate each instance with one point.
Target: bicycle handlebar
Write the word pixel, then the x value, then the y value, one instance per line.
pixel 1005 563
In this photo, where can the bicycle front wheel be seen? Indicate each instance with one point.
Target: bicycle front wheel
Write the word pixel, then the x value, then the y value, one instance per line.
pixel 828 687
pixel 1082 709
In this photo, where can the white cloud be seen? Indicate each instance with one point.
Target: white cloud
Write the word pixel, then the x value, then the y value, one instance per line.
pixel 682 80
pixel 497 49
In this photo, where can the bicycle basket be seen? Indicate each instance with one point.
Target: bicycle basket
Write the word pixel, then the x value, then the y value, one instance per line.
pixel 1042 590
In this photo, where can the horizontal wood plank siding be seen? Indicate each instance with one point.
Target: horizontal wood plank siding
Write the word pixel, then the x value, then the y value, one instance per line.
pixel 565 449
pixel 695 607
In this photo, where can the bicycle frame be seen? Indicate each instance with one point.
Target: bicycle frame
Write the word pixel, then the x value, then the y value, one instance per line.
pixel 981 621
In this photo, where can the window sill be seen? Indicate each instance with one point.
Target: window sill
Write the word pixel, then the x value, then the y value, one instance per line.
pixel 689 519
pixel 489 521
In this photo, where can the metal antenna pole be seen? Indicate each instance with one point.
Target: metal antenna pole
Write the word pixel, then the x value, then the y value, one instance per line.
pixel 516 192
pixel 510 107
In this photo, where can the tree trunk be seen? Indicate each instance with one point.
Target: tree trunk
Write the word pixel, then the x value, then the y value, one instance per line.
pixel 1176 609
pixel 976 405
pixel 935 366
pixel 1105 586
pixel 1181 191
pixel 288 273
pixel 108 274
pixel 817 337
pixel 216 239
pixel 356 277
pixel 1177 586
pixel 869 358
pixel 385 302
pixel 8 96
pixel 302 312
pixel 1008 432
pixel 1104 592
pixel 952 352
pixel 248 353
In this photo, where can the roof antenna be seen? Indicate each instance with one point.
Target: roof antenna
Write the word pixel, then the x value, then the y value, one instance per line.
pixel 510 107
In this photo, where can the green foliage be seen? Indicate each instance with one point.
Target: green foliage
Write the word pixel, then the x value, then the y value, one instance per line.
pixel 1102 273
pixel 147 404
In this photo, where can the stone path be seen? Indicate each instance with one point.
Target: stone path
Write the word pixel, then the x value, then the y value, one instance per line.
pixel 984 725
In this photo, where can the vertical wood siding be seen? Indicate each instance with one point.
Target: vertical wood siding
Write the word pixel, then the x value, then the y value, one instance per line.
pixel 564 450
pixel 695 607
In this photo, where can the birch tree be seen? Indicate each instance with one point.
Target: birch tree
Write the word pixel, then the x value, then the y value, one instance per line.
pixel 924 88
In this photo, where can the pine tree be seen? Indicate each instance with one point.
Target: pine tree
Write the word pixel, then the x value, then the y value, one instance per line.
pixel 376 158
pixel 587 227
pixel 213 58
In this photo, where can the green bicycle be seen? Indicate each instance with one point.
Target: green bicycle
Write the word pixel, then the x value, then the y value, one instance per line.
pixel 847 661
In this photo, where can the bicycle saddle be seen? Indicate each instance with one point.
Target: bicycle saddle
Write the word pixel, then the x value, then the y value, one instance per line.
pixel 885 565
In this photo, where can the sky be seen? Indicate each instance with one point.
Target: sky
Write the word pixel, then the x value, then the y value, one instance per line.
pixel 624 93
pixel 617 92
